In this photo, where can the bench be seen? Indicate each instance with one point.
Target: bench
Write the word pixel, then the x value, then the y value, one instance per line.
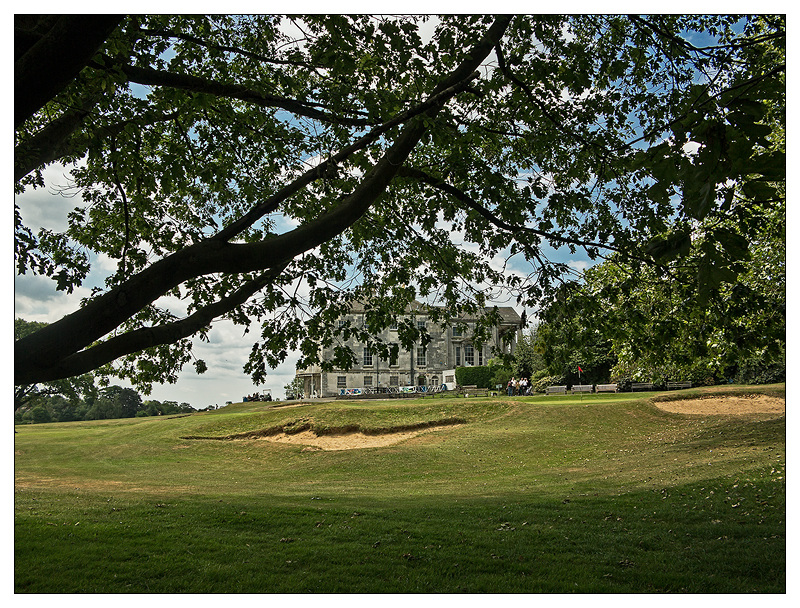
pixel 642 386
pixel 472 390
pixel 607 388
pixel 582 388
pixel 552 390
pixel 672 385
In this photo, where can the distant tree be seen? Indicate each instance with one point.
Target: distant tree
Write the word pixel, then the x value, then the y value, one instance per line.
pixel 294 390
pixel 528 360
pixel 566 342
pixel 115 402
pixel 38 414
pixel 196 140
pixel 653 330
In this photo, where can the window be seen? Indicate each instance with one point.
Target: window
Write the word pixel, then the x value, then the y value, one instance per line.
pixel 367 357
pixel 394 380
pixel 367 381
pixel 480 356
pixel 458 356
pixel 421 357
pixel 457 332
pixel 342 323
pixel 420 324
pixel 393 356
pixel 469 354
pixel 341 381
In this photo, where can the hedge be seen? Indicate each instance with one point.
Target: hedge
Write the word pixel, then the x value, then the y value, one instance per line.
pixel 480 376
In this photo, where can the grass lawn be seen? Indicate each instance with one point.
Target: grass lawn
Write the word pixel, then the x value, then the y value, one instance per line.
pixel 599 494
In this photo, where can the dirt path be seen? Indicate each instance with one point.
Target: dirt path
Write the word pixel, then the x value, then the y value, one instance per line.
pixel 728 406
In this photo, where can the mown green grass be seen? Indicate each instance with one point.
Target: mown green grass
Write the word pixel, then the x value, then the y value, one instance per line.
pixel 560 494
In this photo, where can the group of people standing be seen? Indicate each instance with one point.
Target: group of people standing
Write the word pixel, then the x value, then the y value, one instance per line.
pixel 518 386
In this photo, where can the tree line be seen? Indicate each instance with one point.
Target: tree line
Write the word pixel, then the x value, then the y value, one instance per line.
pixel 108 402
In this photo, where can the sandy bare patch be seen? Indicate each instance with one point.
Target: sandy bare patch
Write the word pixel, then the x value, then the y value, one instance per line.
pixel 730 406
pixel 348 441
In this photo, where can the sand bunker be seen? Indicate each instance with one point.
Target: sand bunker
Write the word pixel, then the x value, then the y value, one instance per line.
pixel 347 441
pixel 730 406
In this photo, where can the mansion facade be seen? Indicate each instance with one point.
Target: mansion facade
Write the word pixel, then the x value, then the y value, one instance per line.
pixel 431 366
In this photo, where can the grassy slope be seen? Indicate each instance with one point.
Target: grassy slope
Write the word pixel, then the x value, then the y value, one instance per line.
pixel 601 494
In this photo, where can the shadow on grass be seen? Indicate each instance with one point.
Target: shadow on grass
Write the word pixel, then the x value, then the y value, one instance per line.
pixel 722 536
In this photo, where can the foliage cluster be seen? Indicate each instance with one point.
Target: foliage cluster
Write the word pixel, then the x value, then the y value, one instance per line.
pixel 294 390
pixel 272 170
pixel 629 324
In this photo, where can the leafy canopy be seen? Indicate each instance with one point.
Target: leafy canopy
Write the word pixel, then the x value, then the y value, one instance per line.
pixel 273 170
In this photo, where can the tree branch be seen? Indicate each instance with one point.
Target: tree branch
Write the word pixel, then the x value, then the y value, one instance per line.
pixel 53 141
pixel 271 204
pixel 51 63
pixel 147 337
pixel 468 201
pixel 51 345
pixel 186 82
pixel 222 47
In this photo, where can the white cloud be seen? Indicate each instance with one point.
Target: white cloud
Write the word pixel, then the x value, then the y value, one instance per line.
pixel 579 265
pixel 36 299
pixel 48 207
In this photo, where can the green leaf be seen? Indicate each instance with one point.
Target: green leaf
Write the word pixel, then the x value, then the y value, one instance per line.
pixel 759 190
pixel 698 196
pixel 669 247
pixel 735 244
pixel 771 165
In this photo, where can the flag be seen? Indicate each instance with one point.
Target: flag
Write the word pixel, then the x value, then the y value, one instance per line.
pixel 579 369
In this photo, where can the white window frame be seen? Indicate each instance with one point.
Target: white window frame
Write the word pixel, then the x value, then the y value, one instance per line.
pixel 469 355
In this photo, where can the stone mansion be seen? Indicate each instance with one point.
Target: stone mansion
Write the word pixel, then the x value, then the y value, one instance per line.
pixel 432 366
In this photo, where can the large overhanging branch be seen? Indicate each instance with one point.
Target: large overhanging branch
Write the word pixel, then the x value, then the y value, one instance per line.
pixel 51 345
pixel 147 337
pixel 105 313
pixel 187 82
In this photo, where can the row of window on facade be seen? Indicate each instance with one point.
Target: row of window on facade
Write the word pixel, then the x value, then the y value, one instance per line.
pixel 457 332
pixel 341 381
pixel 469 356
